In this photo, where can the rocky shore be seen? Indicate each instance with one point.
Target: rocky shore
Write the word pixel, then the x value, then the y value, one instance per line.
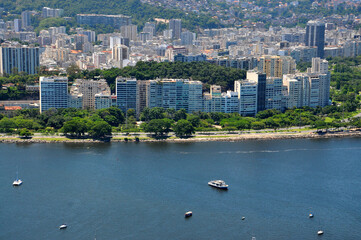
pixel 197 138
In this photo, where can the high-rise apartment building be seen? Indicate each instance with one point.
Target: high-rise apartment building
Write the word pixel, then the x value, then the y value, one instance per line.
pixel 141 96
pixel 129 31
pixel 187 38
pixel 195 96
pixel 99 59
pixel 126 91
pixel 75 101
pixel 230 103
pixel 292 91
pixel 260 79
pixel 276 66
pixel 53 92
pixel 320 70
pixel 15 57
pixel 149 28
pixel 176 26
pixel 319 65
pixel 25 19
pixel 102 100
pixel 308 89
pixel 216 98
pixel 88 89
pixel 171 93
pixel 88 33
pixel 315 36
pixel 120 53
pixel 17 25
pixel 154 94
pixel 51 12
pixel 247 97
pixel 113 20
pixel 274 97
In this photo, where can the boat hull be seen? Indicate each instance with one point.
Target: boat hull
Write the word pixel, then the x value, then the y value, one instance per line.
pixel 63 227
pixel 219 187
pixel 17 183
pixel 188 214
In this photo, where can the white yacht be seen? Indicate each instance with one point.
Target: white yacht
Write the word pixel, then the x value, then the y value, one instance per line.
pixel 320 232
pixel 18 181
pixel 218 184
pixel 63 226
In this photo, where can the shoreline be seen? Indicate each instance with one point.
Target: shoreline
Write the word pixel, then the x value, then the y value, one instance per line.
pixel 197 138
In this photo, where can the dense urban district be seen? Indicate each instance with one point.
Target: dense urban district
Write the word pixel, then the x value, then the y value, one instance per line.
pixel 78 70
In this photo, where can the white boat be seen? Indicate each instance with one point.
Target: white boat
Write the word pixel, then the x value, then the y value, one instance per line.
pixel 320 232
pixel 218 184
pixel 243 218
pixel 18 181
pixel 310 215
pixel 63 226
pixel 188 214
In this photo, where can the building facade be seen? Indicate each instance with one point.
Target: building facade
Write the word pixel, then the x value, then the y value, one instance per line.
pixel 315 36
pixel 53 93
pixel 176 26
pixel 15 57
pixel 93 19
pixel 126 91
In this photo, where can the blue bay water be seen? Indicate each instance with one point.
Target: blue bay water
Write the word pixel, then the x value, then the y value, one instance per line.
pixel 142 190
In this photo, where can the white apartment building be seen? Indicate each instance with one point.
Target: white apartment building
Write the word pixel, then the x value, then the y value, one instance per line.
pixel 274 96
pixel 247 96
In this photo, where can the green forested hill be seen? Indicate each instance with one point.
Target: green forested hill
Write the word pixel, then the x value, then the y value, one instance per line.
pixel 140 12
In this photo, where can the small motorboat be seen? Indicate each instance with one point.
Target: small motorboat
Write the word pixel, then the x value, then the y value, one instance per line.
pixel 243 218
pixel 188 214
pixel 63 226
pixel 218 184
pixel 310 215
pixel 17 182
pixel 320 232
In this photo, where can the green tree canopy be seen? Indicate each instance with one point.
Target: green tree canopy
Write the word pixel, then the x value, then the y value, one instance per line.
pixel 158 126
pixel 100 129
pixel 183 128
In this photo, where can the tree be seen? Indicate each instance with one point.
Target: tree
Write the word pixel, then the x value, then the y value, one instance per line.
pixel 131 113
pixel 7 125
pixel 217 116
pixel 243 124
pixel 320 124
pixel 257 125
pixel 158 126
pixel 180 114
pixel 100 129
pixel 56 121
pixel 194 120
pixel 170 112
pixel 183 128
pixel 113 115
pixel 25 133
pixel 75 127
pixel 267 113
pixel 156 113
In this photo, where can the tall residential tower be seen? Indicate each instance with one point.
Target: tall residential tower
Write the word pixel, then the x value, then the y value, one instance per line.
pixel 315 36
